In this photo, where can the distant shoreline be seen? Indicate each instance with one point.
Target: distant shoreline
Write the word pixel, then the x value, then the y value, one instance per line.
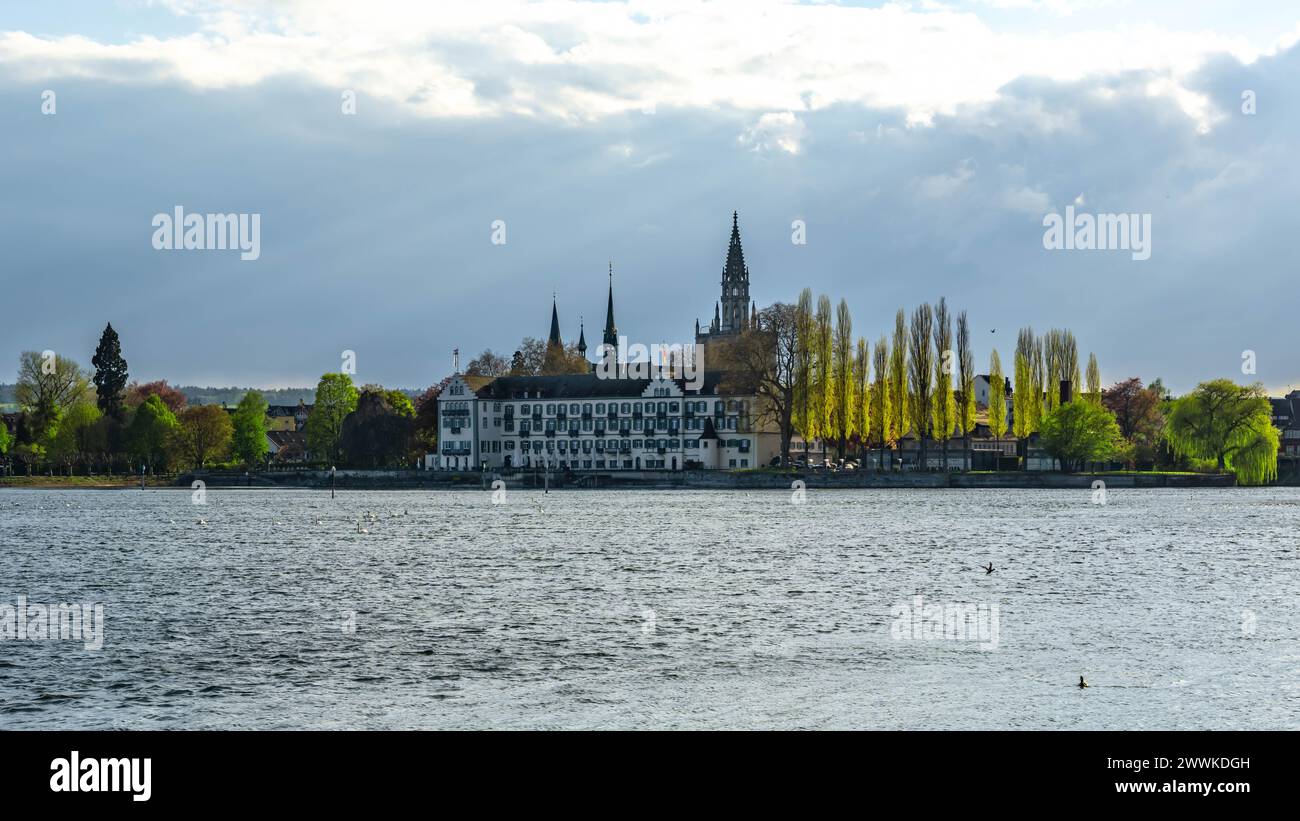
pixel 633 480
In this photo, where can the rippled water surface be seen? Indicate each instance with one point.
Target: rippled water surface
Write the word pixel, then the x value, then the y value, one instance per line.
pixel 641 609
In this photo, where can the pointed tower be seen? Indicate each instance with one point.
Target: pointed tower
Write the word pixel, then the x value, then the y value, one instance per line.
pixel 713 329
pixel 735 284
pixel 582 339
pixel 554 338
pixel 611 332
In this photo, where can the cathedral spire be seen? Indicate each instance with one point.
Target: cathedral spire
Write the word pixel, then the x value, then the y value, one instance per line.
pixel 734 316
pixel 611 332
pixel 554 338
pixel 582 338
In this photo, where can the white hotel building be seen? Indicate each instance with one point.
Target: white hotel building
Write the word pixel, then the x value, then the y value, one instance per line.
pixel 584 423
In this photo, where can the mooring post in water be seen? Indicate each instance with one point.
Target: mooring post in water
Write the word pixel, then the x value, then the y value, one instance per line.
pixel 332 472
pixel 142 477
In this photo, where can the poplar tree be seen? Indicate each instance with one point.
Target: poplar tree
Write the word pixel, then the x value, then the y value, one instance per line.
pixel 945 409
pixel 901 420
pixel 882 421
pixel 844 386
pixel 862 392
pixel 997 397
pixel 1094 379
pixel 823 370
pixel 921 375
pixel 966 384
pixel 803 416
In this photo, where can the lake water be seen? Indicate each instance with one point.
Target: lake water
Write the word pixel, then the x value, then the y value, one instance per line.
pixel 648 609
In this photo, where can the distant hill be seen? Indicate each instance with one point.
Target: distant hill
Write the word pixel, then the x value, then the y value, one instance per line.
pixel 231 396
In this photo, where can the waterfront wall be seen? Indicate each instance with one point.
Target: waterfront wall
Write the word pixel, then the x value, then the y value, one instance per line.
pixel 701 479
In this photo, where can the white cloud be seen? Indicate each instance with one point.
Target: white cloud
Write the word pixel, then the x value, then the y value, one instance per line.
pixel 775 131
pixel 579 61
pixel 943 186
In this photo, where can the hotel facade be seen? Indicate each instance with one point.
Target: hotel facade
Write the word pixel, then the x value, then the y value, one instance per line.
pixel 584 422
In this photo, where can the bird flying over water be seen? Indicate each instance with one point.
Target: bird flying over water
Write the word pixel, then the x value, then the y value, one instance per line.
pixel 987 569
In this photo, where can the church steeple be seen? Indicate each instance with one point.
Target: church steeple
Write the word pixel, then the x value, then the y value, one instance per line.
pixel 735 283
pixel 611 332
pixel 582 338
pixel 554 338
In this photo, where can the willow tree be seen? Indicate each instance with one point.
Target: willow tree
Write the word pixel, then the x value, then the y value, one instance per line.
pixel 944 417
pixel 965 385
pixel 997 397
pixel 901 420
pixel 843 387
pixel 1229 423
pixel 1094 379
pixel 921 375
pixel 862 393
pixel 882 421
pixel 802 416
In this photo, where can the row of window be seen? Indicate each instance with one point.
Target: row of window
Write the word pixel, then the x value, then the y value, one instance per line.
pixel 563 446
pixel 599 426
pixel 574 408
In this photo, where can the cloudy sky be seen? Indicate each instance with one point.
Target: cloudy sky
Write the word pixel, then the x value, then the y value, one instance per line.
pixel 922 144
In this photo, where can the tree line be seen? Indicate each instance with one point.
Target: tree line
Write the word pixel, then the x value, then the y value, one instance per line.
pixel 816 381
pixel 71 420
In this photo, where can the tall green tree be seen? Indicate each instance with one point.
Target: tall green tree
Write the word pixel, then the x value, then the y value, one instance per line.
pixel 1094 379
pixel 376 434
pixel 47 385
pixel 921 376
pixel 997 397
pixel 249 434
pixel 805 419
pixel 824 369
pixel 1026 405
pixel 150 434
pixel 1229 423
pixel 862 393
pixel 882 420
pixel 1080 432
pixel 110 373
pixel 944 415
pixel 336 397
pixel 761 361
pixel 202 435
pixel 965 384
pixel 843 386
pixel 73 443
pixel 898 398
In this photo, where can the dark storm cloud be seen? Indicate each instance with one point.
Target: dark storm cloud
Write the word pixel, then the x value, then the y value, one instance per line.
pixel 376 228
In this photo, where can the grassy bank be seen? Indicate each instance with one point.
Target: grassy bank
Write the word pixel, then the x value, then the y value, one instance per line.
pixel 88 482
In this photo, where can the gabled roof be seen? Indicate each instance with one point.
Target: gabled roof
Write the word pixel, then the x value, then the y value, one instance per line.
pixel 578 386
pixel 287 437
